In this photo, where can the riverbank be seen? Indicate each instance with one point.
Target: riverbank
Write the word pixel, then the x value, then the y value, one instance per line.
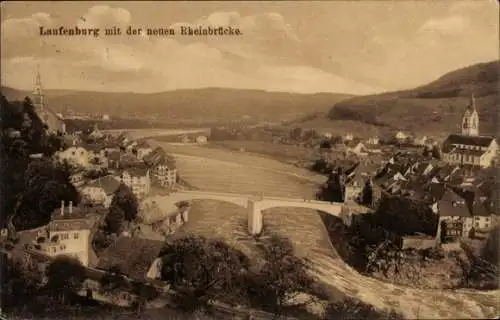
pixel 239 172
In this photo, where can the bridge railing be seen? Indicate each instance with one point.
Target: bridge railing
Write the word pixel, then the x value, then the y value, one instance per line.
pixel 250 196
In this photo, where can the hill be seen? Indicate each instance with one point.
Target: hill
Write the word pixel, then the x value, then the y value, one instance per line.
pixel 196 105
pixel 434 109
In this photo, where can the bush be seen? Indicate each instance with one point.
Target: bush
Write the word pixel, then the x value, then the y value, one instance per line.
pixel 352 309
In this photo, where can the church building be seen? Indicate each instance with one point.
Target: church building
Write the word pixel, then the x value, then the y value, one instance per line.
pixel 469 147
pixel 49 118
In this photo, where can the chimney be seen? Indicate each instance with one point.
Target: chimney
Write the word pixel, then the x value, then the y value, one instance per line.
pixel 71 207
pixel 62 207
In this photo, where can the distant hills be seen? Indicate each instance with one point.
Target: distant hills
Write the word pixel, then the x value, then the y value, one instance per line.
pixel 194 105
pixel 433 109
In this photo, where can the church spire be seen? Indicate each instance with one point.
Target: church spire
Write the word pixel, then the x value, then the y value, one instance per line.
pixel 472 103
pixel 470 119
pixel 38 97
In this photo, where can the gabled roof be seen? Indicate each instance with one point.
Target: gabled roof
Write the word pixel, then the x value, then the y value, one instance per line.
pixel 479 141
pixel 142 144
pixel 451 205
pixel 437 190
pixel 157 157
pixel 108 183
pixel 135 171
pixel 80 218
pixel 421 167
pixel 132 256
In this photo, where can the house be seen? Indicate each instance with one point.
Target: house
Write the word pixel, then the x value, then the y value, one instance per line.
pixel 356 148
pixel 136 258
pixel 185 139
pixel 137 178
pixel 96 153
pixel 77 178
pixel 348 137
pixel 163 169
pixel 96 134
pixel 469 147
pixel 422 169
pixel 373 141
pixel 420 141
pixel 119 160
pixel 123 139
pixel 142 149
pixel 106 117
pixel 446 173
pixel 484 220
pixel 70 233
pixel 162 215
pixel 390 181
pixel 201 140
pixel 372 148
pixel 354 187
pixel 130 146
pixel 455 219
pixel 400 136
pixel 100 191
pixel 327 135
pixel 74 155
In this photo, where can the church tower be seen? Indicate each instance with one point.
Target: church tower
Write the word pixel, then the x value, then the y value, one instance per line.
pixel 470 119
pixel 38 97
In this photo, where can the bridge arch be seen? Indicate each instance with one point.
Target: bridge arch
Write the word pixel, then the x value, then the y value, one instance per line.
pixel 334 209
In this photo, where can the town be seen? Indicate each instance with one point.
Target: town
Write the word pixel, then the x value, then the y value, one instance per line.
pixel 282 162
pixel 129 199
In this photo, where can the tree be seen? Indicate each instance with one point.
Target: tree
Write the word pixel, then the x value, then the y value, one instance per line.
pixel 437 152
pixel 65 275
pixel 352 309
pixel 367 194
pixel 334 189
pixel 202 270
pixel 114 220
pixel 125 200
pixel 30 189
pixel 282 276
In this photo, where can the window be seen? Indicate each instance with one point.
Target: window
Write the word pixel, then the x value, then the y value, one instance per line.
pixel 54 250
pixel 487 219
pixel 477 224
pixel 75 235
pixel 64 236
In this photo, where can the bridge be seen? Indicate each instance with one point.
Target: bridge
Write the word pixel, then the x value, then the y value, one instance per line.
pixel 256 204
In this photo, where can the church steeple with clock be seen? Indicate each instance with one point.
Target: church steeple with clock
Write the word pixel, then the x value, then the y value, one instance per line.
pixel 470 119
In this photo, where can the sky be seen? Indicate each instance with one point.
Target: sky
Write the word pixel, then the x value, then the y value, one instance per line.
pixel 356 47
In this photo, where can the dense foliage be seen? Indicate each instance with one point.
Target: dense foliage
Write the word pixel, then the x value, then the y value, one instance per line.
pixel 202 270
pixel 123 208
pixel 31 189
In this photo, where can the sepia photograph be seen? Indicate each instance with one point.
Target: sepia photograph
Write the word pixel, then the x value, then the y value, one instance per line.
pixel 264 160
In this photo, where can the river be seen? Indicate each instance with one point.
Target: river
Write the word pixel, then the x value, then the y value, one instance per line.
pixel 226 171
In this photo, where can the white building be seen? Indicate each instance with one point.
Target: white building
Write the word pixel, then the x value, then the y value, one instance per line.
pixel 74 155
pixel 137 179
pixel 100 191
pixel 201 140
pixel 70 233
pixel 469 147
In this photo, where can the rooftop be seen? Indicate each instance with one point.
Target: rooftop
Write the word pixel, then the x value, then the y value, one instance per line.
pixel 480 141
pixel 108 183
pixel 133 256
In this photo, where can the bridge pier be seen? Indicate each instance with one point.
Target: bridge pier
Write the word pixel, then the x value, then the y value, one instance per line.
pixel 254 218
